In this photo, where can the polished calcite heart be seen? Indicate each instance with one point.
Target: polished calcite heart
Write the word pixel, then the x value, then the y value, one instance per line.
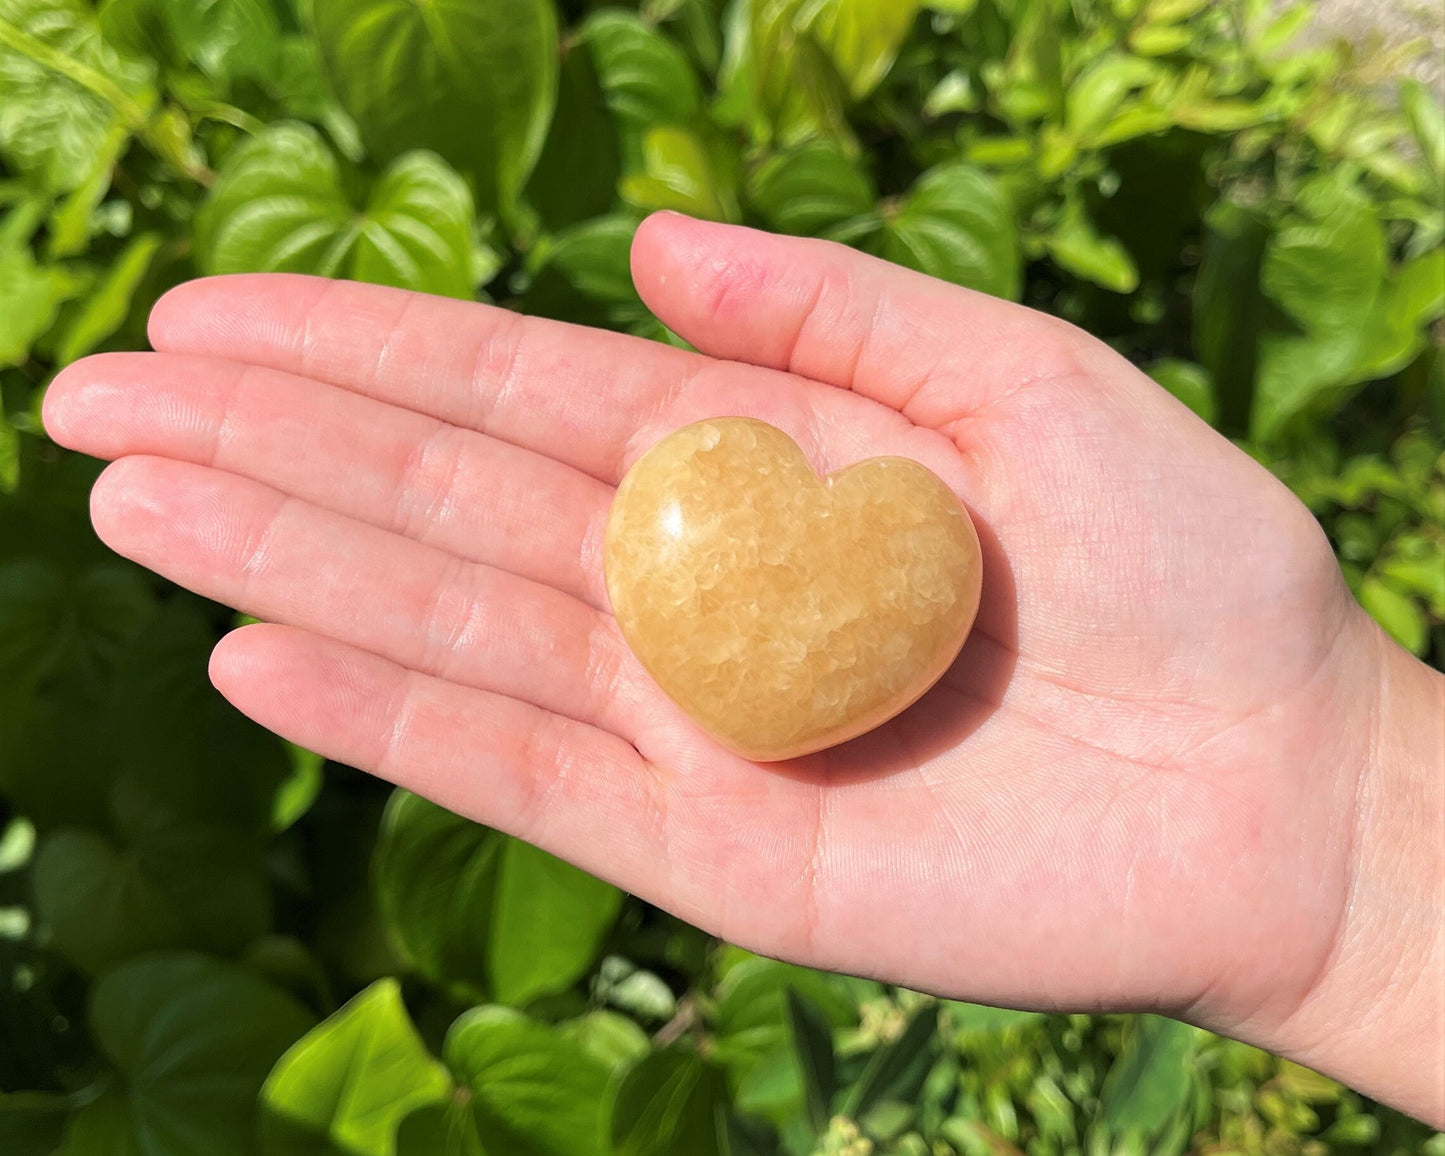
pixel 783 611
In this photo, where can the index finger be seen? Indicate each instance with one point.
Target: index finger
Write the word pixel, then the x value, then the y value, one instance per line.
pixel 573 393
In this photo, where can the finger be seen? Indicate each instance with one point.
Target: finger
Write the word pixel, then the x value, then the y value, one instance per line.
pixel 574 393
pixel 284 560
pixel 460 491
pixel 930 350
pixel 710 844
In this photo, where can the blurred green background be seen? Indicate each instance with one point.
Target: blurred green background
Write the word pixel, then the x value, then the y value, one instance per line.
pixel 213 944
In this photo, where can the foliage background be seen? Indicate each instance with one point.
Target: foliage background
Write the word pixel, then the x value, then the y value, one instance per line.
pixel 212 943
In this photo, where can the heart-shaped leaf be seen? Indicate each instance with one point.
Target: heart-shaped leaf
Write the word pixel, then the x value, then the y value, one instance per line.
pixel 472 80
pixel 191 886
pixel 279 206
pixel 193 1040
pixel 485 914
pixel 534 1092
pixel 956 224
pixel 811 189
pixel 64 633
pixel 349 1082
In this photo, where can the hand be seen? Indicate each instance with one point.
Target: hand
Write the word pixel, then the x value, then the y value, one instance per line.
pixel 1138 787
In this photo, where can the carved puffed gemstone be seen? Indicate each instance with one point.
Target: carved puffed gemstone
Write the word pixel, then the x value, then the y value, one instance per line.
pixel 782 611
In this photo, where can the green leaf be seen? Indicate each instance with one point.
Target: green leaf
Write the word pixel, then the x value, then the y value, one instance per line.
pixel 808 190
pixel 614 1040
pixel 1352 1131
pixel 1229 307
pixel 670 1102
pixel 472 80
pixel 190 886
pixel 193 1040
pixel 32 1123
pixel 298 793
pixel 482 913
pixel 533 1092
pixel 1394 334
pixel 812 1038
pixel 9 455
pixel 417 230
pixel 108 304
pixel 1151 1080
pixel 1427 123
pixel 1159 40
pixel 440 1130
pixel 52 126
pixel 30 299
pixel 1099 93
pixel 778 80
pixel 647 79
pixel 893 1065
pixel 861 37
pixel 595 258
pixel 752 996
pixel 548 923
pixel 1078 248
pixel 166 719
pixel 279 206
pixel 576 175
pixel 73 221
pixel 1343 318
pixel 682 173
pixel 105 1125
pixel 349 1082
pixel 957 225
pixel 225 39
pixel 1400 615
pixel 985 1019
pixel 1189 382
pixel 65 630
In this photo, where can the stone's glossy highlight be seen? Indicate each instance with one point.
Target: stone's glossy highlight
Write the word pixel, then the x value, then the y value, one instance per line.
pixel 783 611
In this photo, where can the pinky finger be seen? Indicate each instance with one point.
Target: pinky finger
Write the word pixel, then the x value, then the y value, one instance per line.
pixel 572 789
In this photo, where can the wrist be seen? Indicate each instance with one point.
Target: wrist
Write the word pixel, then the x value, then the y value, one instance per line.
pixel 1374 1016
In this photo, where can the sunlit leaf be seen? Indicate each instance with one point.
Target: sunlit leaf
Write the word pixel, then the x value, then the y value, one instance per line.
pixel 52 126
pixel 533 1093
pixel 956 224
pixel 350 1081
pixel 472 80
pixel 280 206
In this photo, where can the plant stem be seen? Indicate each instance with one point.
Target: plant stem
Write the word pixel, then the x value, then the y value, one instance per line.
pixel 131 111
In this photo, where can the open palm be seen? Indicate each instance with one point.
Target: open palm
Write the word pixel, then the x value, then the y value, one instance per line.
pixel 1128 790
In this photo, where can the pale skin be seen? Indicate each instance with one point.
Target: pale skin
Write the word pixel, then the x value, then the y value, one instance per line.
pixel 1175 768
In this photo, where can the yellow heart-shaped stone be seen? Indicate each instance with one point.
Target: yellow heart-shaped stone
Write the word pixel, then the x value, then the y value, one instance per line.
pixel 786 612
